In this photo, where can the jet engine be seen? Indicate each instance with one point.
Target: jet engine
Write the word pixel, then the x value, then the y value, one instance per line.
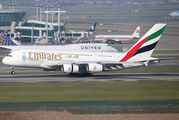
pixel 68 68
pixel 93 67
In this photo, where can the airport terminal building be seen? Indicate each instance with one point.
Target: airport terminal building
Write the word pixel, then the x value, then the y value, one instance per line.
pixel 15 25
pixel 11 18
pixel 38 28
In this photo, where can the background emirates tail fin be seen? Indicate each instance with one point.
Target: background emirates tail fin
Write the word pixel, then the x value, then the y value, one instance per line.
pixel 136 32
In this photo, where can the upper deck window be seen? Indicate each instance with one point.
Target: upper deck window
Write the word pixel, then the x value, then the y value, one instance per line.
pixel 9 55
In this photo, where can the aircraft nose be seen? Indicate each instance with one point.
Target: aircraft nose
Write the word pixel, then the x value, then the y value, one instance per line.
pixel 6 61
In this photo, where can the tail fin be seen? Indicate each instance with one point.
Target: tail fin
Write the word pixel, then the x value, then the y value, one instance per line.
pixel 136 32
pixel 145 46
pixel 65 22
pixel 92 28
pixel 5 41
pixel 42 9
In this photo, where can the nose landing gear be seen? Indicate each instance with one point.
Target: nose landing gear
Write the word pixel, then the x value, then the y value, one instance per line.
pixel 12 72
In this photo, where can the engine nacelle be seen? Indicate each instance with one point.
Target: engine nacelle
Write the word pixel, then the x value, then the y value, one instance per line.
pixel 92 67
pixel 68 68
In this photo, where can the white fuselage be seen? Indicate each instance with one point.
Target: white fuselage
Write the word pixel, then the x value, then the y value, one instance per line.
pixel 82 47
pixel 83 62
pixel 16 42
pixel 53 59
pixel 113 37
pixel 174 14
pixel 54 12
pixel 37 57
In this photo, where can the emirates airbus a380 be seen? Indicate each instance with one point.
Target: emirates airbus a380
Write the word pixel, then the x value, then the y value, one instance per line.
pixel 83 63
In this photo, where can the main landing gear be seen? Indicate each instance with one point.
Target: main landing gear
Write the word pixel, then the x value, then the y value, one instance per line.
pixel 12 72
pixel 83 74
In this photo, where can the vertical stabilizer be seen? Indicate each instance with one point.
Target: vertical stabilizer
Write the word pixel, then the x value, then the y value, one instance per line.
pixel 42 9
pixel 136 32
pixel 145 46
pixel 92 28
pixel 65 23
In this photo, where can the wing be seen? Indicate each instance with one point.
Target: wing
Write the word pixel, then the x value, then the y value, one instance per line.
pixel 70 66
pixel 96 66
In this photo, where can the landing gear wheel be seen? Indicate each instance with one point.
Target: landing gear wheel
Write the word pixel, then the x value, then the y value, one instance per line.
pixel 85 74
pixel 90 74
pixel 119 42
pixel 79 75
pixel 12 72
pixel 72 74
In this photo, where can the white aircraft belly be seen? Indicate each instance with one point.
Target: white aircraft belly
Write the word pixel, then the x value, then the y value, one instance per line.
pixel 115 38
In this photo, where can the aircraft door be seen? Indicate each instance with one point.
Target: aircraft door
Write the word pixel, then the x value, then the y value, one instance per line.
pixel 95 57
pixel 18 58
pixel 115 57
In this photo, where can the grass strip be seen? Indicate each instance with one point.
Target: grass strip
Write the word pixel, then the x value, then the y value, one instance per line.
pixel 89 91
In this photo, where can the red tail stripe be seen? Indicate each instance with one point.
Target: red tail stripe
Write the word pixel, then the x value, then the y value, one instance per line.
pixel 133 50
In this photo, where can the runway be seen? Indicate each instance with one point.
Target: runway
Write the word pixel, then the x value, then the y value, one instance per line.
pixel 103 77
pixel 120 26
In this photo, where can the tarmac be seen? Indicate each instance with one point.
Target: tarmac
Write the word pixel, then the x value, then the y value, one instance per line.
pixel 119 26
pixel 100 77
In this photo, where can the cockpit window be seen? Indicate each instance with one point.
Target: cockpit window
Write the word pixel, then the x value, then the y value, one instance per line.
pixel 9 55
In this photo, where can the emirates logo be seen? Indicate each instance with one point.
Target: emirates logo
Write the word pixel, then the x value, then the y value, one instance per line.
pixel 94 68
pixel 69 69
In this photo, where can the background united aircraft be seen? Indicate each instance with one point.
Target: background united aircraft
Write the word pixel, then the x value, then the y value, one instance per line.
pixel 4 40
pixel 6 44
pixel 84 63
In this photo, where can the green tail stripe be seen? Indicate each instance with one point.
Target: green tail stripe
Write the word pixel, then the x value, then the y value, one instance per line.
pixel 156 34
